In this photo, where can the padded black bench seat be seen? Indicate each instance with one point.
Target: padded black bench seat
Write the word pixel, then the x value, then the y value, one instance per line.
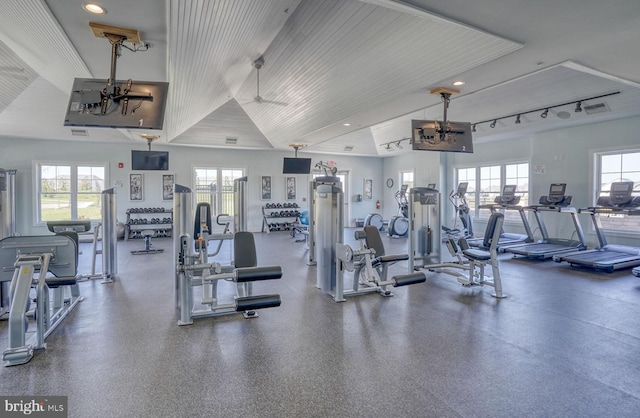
pixel 477 255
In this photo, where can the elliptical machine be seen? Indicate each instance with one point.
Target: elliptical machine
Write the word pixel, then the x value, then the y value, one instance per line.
pixel 459 202
pixel 399 224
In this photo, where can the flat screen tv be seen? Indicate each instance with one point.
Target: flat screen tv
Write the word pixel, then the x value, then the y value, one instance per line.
pixel 296 166
pixel 131 104
pixel 431 135
pixel 149 160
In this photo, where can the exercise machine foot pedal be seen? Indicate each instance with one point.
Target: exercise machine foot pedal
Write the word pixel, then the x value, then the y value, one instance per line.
pixel 250 303
pixel 408 279
pixel 18 355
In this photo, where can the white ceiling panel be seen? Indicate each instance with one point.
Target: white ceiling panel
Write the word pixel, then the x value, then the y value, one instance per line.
pixel 15 76
pixel 30 29
pixel 359 143
pixel 318 62
pixel 228 121
pixel 327 63
pixel 211 49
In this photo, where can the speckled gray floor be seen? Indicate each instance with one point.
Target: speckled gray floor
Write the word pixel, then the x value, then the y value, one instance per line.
pixel 565 343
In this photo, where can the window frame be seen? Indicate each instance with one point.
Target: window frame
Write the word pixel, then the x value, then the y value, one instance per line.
pixel 596 177
pixel 73 187
pixel 218 204
pixel 503 176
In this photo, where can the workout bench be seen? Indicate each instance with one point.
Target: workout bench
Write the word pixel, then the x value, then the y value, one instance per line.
pixel 370 265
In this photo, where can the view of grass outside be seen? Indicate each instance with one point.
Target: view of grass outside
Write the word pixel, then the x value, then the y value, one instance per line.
pixel 64 196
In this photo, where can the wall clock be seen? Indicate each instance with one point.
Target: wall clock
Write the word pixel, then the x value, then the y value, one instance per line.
pixel 389 182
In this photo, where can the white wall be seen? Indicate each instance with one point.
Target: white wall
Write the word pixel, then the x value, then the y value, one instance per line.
pixel 21 154
pixel 426 166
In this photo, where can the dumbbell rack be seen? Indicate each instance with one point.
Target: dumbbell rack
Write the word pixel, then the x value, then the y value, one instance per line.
pixel 159 220
pixel 280 216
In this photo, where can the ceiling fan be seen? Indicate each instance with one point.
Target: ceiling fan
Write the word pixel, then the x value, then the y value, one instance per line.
pixel 258 64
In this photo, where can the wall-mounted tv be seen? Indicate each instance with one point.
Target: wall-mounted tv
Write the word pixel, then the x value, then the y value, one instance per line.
pixel 132 104
pixel 296 166
pixel 149 160
pixel 431 135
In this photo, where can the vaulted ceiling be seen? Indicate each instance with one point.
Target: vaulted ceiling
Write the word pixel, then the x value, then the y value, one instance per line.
pixel 339 76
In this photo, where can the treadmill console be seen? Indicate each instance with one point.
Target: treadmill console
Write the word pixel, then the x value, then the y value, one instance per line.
pixel 620 192
pixel 556 196
pixel 508 196
pixel 431 186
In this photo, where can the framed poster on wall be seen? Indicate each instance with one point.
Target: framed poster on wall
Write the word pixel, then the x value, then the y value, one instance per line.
pixel 368 189
pixel 136 187
pixel 266 188
pixel 290 184
pixel 167 186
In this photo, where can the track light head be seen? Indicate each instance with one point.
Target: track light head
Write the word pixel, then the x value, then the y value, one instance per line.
pixel 398 145
pixel 544 114
pixel 578 107
pixel 518 120
pixel 493 124
pixel 473 128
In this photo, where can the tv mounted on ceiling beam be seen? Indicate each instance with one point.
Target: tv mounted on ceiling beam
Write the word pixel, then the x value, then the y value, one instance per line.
pixel 130 105
pixel 431 135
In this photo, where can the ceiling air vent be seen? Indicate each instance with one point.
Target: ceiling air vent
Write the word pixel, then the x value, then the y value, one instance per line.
pixel 79 132
pixel 231 141
pixel 596 108
pixel 348 148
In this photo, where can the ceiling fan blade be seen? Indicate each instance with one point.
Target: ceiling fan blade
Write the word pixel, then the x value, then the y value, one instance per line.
pixel 273 102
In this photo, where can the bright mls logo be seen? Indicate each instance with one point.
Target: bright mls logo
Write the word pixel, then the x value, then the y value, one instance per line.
pixel 33 406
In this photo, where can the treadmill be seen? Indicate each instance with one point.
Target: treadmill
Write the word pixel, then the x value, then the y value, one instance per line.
pixel 507 201
pixel 547 247
pixel 608 257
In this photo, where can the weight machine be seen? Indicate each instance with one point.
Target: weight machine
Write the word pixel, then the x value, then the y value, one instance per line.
pixel 370 266
pixel 25 262
pixel 425 251
pixel 195 270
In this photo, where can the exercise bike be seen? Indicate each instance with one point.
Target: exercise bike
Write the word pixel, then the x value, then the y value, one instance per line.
pixel 399 224
pixel 459 202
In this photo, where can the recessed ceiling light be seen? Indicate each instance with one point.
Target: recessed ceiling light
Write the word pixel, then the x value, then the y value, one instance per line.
pixel 458 83
pixel 346 124
pixel 94 8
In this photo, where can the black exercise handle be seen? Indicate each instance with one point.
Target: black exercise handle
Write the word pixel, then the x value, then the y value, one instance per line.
pixel 249 274
pixel 407 279
pixel 249 303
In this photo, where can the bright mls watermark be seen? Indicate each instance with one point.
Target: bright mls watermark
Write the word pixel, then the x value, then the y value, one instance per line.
pixel 34 406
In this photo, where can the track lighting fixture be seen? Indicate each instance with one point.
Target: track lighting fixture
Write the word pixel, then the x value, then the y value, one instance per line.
pixel 397 143
pixel 545 111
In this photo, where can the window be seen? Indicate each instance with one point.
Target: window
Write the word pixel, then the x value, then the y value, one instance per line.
pixel 486 183
pixel 215 186
pixel 469 175
pixel 613 167
pixel 70 191
pixel 406 177
pixel 490 187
